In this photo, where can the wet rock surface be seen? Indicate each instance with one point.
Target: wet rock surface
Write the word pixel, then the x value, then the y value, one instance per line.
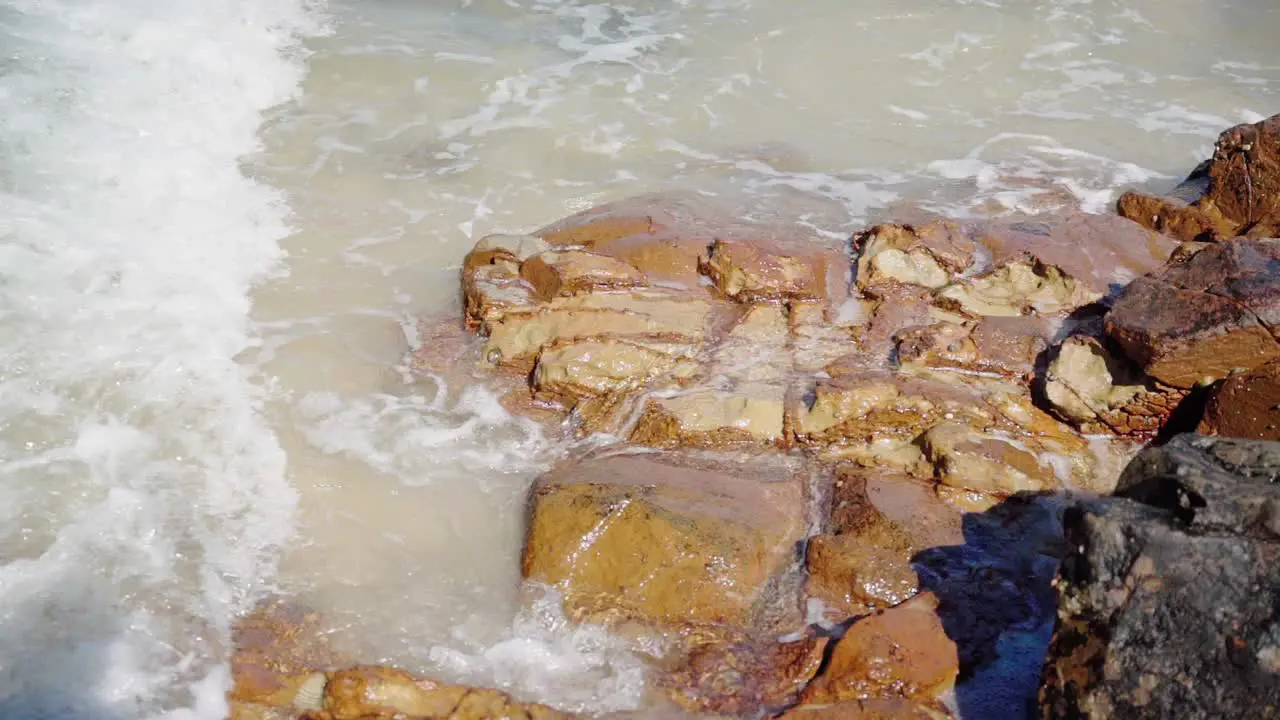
pixel 1168 593
pixel 1234 193
pixel 1200 319
pixel 827 475
pixel 283 669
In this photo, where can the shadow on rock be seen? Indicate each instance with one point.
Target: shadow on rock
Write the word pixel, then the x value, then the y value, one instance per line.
pixel 997 602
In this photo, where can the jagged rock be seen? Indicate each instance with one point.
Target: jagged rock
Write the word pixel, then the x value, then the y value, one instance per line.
pixel 901 653
pixel 733 673
pixel 878 519
pixel 1011 267
pixel 669 539
pixel 1168 595
pixel 984 462
pixel 1097 391
pixel 1200 319
pixel 1247 405
pixel 1235 193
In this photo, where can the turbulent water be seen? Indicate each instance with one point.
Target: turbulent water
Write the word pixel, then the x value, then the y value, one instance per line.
pixel 217 220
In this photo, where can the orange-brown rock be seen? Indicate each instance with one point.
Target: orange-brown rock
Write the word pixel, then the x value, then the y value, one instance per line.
pixel 878 519
pixel 985 462
pixel 362 693
pixel 795 266
pixel 1246 405
pixel 876 709
pixel 280 658
pixel 1235 193
pixel 1198 320
pixel 1099 392
pixel 1006 346
pixel 733 673
pixel 283 669
pixel 902 652
pixel 669 539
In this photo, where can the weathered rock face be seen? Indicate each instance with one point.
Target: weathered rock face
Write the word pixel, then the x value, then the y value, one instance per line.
pixel 1011 268
pixel 1098 391
pixel 901 653
pixel 1203 318
pixel 282 669
pixel 769 365
pixel 672 539
pixel 1236 193
pixel 1247 405
pixel 1168 594
pixel 878 519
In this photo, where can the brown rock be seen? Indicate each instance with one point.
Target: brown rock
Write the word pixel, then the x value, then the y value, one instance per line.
pixel 1005 346
pixel 280 657
pixel 779 267
pixel 1239 191
pixel 902 652
pixel 361 693
pixel 654 315
pixel 971 460
pixel 1012 263
pixel 878 520
pixel 877 709
pixel 669 539
pixel 1090 387
pixel 1200 319
pixel 740 674
pixel 574 272
pixel 1247 405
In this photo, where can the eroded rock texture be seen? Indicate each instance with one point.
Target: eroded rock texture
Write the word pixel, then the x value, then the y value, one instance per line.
pixel 1235 193
pixel 1168 594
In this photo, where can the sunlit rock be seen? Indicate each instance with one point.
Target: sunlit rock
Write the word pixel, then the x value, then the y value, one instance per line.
pixel 1235 193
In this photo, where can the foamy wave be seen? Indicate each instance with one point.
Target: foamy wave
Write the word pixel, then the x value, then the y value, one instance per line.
pixel 579 668
pixel 146 493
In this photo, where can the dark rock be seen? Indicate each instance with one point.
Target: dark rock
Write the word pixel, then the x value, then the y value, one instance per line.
pixel 1205 317
pixel 1168 596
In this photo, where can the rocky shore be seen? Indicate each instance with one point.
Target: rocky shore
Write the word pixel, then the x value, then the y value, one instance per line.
pixel 876 476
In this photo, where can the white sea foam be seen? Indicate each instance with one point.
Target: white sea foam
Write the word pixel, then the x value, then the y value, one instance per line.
pixel 144 496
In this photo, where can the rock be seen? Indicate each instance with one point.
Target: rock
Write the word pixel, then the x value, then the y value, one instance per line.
pixel 361 693
pixel 892 709
pixel 1235 193
pixel 739 674
pixel 573 272
pixel 1247 405
pixel 795 267
pixel 1200 319
pixel 1168 594
pixel 984 462
pixel 282 669
pixel 902 652
pixel 1012 266
pixel 1098 391
pixel 877 521
pixel 669 539
pixel 281 655
pixel 1007 346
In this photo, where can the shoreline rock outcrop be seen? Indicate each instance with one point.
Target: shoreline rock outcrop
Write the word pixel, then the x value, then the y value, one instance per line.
pixel 830 473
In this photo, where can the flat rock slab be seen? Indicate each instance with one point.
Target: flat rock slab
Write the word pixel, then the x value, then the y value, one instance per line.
pixel 670 539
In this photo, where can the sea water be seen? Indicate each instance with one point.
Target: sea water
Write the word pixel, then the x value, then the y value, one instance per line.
pixel 220 221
